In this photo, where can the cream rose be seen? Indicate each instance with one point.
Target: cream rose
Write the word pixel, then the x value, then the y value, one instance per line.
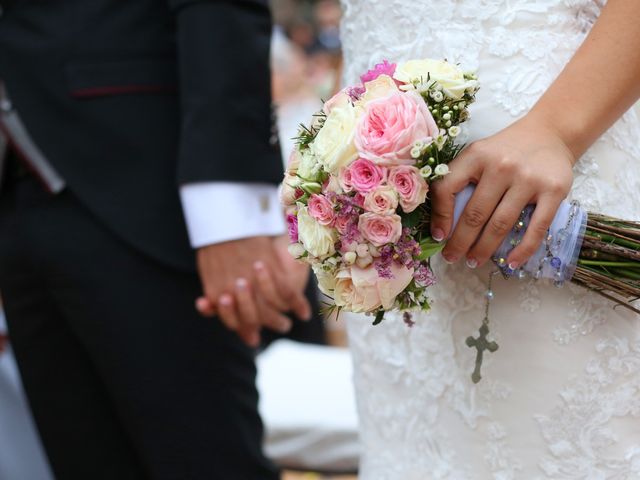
pixel 361 290
pixel 308 167
pixel 317 239
pixel 381 87
pixel 448 75
pixel 334 146
pixel 294 161
pixel 288 190
pixel 326 280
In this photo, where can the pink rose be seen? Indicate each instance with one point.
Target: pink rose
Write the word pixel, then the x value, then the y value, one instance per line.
pixel 365 175
pixel 342 223
pixel 380 229
pixel 344 177
pixel 361 290
pixel 384 68
pixel 390 126
pixel 382 200
pixel 321 209
pixel 412 188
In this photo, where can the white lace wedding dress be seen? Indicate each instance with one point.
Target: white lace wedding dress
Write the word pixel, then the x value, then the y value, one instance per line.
pixel 561 398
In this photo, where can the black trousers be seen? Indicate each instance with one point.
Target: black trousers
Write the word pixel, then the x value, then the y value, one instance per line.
pixel 125 380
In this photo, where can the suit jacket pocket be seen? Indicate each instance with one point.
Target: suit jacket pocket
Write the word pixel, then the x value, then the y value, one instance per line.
pixel 121 77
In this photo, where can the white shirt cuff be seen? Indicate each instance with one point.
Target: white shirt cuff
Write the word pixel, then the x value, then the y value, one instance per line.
pixel 218 212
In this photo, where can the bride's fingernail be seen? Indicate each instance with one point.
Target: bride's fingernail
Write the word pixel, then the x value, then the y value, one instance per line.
pixel 259 265
pixel 513 265
pixel 449 258
pixel 242 283
pixel 437 234
pixel 472 263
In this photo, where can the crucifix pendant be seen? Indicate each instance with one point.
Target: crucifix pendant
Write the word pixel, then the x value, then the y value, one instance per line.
pixel 481 344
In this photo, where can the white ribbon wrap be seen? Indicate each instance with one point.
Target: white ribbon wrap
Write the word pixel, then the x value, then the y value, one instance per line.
pixel 566 235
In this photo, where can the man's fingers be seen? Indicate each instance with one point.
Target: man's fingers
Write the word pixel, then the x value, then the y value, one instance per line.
pixel 205 307
pixel 499 225
pixel 250 334
pixel 227 312
pixel 272 318
pixel 246 304
pixel 543 215
pixel 267 287
pixel 473 218
pixel 294 297
pixel 464 170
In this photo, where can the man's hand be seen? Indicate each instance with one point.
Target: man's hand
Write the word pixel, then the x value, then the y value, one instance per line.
pixel 249 283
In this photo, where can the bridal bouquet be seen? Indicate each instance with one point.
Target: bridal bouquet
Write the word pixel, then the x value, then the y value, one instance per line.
pixel 356 187
pixel 356 196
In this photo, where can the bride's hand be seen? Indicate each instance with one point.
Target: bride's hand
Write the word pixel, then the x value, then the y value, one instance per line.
pixel 526 163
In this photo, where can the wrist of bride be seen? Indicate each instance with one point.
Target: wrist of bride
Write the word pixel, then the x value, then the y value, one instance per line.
pixel 567 135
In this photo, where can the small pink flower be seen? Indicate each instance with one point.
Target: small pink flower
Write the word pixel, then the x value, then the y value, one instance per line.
pixel 384 68
pixel 389 127
pixel 382 200
pixel 365 175
pixel 343 223
pixel 358 200
pixel 292 223
pixel 412 188
pixel 321 209
pixel 345 180
pixel 380 229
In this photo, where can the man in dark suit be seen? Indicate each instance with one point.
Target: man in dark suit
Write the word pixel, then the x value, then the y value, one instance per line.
pixel 118 117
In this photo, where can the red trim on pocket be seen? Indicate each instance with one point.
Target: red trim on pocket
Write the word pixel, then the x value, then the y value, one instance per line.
pixel 121 90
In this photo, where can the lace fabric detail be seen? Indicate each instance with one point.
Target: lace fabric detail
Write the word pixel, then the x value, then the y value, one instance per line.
pixel 579 433
pixel 547 407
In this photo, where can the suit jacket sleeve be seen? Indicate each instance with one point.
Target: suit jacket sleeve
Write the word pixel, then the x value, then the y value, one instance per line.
pixel 227 127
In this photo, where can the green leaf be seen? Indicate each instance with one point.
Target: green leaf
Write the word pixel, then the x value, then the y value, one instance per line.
pixel 379 317
pixel 412 220
pixel 430 247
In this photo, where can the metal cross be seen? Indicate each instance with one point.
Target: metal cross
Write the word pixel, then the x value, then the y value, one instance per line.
pixel 481 344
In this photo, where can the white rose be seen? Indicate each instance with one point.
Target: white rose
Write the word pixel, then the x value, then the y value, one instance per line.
pixel 326 279
pixel 333 146
pixel 448 75
pixel 296 250
pixel 381 87
pixel 308 167
pixel 317 239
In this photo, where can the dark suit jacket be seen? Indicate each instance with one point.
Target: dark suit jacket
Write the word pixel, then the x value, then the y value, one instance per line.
pixel 129 99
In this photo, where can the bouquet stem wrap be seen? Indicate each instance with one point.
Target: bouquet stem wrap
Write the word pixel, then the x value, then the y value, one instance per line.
pixel 557 257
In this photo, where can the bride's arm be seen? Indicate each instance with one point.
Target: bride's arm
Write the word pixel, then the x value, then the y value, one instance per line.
pixel 531 161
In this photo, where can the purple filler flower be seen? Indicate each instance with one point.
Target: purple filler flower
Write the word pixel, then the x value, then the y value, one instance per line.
pixel 355 92
pixel 292 223
pixel 384 68
pixel 424 276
